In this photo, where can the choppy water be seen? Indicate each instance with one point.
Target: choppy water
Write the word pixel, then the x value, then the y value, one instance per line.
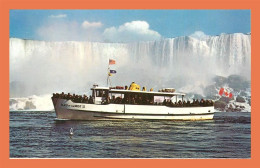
pixel 39 135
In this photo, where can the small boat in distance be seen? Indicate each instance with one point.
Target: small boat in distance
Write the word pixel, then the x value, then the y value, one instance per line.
pixel 117 103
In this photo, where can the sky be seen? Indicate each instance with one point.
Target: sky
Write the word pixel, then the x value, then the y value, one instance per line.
pixel 125 25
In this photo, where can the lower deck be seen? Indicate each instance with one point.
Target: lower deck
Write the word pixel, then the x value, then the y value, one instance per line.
pixel 66 109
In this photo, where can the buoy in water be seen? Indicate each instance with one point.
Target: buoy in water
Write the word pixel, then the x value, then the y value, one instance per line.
pixel 71 131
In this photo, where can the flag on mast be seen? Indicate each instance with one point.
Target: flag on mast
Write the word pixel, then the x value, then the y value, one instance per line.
pixel 230 95
pixel 112 62
pixel 226 93
pixel 112 71
pixel 221 91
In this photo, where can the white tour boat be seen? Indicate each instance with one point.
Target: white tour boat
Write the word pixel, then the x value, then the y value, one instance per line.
pixel 107 103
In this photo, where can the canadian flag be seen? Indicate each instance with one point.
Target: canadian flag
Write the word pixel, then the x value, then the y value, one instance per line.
pixel 230 95
pixel 223 91
pixel 226 94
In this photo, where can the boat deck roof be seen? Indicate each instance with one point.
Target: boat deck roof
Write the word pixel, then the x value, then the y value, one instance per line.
pixel 121 91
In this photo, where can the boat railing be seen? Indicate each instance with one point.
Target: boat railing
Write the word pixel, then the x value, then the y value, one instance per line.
pixel 89 100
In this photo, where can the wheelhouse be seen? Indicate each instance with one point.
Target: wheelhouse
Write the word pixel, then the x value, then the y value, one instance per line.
pixel 100 94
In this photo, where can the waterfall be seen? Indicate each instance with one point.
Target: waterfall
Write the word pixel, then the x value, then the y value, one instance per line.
pixel 43 67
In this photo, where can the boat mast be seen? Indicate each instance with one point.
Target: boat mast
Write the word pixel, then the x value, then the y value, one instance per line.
pixel 108 77
pixel 108 73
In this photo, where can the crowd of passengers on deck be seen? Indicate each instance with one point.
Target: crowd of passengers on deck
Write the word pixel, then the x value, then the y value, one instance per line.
pixel 75 98
pixel 194 103
pixel 132 100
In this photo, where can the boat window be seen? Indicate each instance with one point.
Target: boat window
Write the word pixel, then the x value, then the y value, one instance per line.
pixel 105 93
pixel 160 99
pixel 101 93
pixel 115 95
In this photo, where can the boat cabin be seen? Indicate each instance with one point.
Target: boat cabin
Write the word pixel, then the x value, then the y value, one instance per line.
pixel 143 97
pixel 106 95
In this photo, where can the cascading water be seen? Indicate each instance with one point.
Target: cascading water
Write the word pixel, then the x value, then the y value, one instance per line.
pixel 41 67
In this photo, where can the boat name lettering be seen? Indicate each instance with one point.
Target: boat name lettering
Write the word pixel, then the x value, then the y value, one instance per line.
pixel 69 105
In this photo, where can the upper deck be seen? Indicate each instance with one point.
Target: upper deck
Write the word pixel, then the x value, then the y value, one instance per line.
pixel 152 93
pixel 121 91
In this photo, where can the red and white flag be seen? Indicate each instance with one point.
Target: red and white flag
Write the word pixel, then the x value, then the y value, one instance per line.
pixel 226 94
pixel 230 95
pixel 221 91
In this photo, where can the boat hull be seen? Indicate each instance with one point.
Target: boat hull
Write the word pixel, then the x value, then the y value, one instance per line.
pixel 66 109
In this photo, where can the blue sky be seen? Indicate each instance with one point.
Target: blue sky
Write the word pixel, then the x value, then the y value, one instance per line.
pixel 124 25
